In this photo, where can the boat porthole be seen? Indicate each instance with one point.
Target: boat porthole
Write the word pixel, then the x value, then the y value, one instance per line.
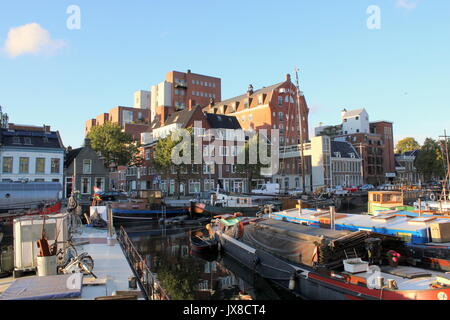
pixel 442 296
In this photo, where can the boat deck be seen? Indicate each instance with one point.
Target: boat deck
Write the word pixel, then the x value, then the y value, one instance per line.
pixel 110 265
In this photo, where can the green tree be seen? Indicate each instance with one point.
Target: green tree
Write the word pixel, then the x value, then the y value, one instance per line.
pixel 163 157
pixel 429 162
pixel 407 144
pixel 115 146
pixel 251 170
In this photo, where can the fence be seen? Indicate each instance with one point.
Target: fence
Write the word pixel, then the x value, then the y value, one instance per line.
pixel 147 280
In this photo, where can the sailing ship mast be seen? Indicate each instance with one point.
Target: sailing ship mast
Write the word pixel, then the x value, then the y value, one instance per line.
pixel 301 132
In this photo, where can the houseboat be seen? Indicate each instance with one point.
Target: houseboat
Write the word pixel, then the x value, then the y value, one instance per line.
pixel 149 206
pixel 323 264
pixel 227 203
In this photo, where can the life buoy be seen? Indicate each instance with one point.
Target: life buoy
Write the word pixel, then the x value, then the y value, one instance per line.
pixel 432 197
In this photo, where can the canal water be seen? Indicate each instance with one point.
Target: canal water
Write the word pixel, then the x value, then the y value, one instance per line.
pixel 187 276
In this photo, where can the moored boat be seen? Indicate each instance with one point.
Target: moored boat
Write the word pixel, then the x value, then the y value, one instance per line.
pixel 314 263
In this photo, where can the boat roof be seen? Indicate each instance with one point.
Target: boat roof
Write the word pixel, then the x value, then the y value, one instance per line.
pixel 395 220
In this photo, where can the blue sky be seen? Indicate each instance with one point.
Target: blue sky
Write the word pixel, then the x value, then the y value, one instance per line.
pixel 399 73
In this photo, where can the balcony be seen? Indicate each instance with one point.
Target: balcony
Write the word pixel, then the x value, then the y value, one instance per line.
pixel 180 84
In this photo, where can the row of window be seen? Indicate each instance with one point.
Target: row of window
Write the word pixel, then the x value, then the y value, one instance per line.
pixel 24 165
pixel 194 185
pixel 204 83
pixel 86 185
pixel 287 99
pixel 346 166
pixel 203 94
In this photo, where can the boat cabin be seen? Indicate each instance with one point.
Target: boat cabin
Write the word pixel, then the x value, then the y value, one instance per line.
pixel 385 200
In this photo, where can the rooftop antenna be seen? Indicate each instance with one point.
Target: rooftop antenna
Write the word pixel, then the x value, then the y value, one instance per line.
pixel 301 130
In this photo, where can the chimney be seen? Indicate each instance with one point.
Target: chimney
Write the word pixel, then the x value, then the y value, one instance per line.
pixel 87 143
pixel 288 77
pixel 69 148
pixel 250 90
pixel 189 71
pixel 46 129
pixel 191 104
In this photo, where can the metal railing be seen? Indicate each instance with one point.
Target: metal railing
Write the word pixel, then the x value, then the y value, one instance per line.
pixel 147 280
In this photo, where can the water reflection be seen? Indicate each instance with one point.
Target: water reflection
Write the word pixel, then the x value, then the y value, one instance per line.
pixel 189 276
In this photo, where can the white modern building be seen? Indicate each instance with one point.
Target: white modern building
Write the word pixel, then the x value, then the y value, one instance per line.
pixel 161 96
pixel 355 121
pixel 29 153
pixel 142 99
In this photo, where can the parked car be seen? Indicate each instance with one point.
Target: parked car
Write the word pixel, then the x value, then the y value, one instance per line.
pixel 386 187
pixel 351 189
pixel 367 187
pixel 338 190
pixel 295 192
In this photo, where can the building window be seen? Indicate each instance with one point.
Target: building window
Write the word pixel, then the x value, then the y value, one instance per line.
pixel 85 185
pixel 24 164
pixel 87 166
pixel 27 141
pixel 223 151
pixel 100 183
pixel 208 184
pixel 260 99
pixel 55 165
pixel 16 140
pixel 40 165
pixel 280 116
pixel 280 101
pixel 194 186
pixel 7 164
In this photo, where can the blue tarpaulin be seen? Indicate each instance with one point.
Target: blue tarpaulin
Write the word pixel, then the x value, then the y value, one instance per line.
pixel 64 286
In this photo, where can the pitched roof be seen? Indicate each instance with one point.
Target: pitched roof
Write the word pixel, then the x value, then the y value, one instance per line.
pixel 241 97
pixel 353 113
pixel 220 121
pixel 344 148
pixel 182 117
pixel 30 139
pixel 71 155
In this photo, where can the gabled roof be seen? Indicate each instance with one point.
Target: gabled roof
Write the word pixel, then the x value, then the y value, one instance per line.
pixel 353 113
pixel 181 117
pixel 71 155
pixel 220 121
pixel 243 96
pixel 344 148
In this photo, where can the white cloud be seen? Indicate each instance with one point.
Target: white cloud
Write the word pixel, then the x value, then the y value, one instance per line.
pixel 31 39
pixel 406 4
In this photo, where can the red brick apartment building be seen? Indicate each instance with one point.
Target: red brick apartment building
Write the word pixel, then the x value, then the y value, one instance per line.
pixel 181 89
pixel 133 121
pixel 196 177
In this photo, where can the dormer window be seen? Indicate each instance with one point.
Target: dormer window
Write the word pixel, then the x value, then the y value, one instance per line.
pixel 260 99
pixel 246 104
pixel 337 154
